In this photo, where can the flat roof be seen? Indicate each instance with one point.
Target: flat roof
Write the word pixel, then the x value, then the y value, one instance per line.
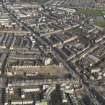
pixel 43 70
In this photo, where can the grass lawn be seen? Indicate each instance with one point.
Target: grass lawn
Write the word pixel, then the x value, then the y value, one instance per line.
pixel 92 12
pixel 101 24
pixel 40 1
